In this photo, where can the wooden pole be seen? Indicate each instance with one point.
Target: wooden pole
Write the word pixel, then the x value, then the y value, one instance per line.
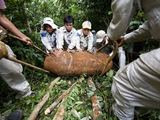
pixel 32 44
pixel 27 64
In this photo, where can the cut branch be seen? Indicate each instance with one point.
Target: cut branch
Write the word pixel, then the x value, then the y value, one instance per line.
pixel 39 106
pixel 60 98
pixel 60 113
pixel 55 103
pixel 96 107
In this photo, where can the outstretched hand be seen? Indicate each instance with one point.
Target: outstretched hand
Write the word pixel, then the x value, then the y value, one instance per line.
pixel 70 51
pixel 27 40
pixel 120 41
pixel 57 52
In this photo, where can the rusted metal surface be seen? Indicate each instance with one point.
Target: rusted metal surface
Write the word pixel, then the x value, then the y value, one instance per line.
pixel 78 63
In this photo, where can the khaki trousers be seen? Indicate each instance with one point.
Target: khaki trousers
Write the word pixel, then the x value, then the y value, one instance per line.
pixel 135 85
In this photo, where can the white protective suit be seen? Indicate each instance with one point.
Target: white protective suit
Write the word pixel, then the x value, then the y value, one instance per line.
pixel 137 84
pixel 83 42
pixel 51 41
pixel 67 38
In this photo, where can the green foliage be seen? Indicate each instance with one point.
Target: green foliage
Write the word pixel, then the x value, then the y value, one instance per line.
pixel 97 12
pixel 78 105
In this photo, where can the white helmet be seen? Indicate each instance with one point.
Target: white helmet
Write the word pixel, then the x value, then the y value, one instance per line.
pixel 86 24
pixel 100 35
pixel 49 21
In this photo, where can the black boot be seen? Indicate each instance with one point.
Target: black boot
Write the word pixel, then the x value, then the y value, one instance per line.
pixel 16 115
